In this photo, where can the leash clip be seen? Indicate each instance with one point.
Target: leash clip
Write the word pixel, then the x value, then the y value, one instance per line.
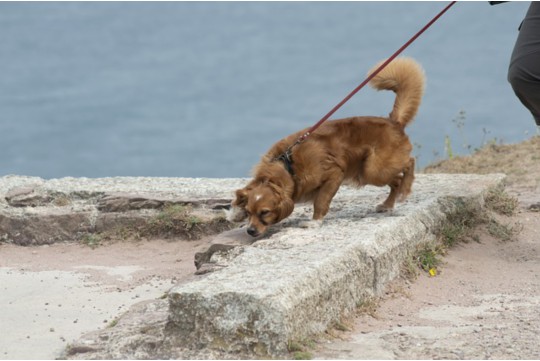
pixel 286 159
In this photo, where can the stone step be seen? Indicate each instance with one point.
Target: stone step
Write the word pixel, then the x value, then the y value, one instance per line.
pixel 297 282
pixel 36 211
pixel 285 286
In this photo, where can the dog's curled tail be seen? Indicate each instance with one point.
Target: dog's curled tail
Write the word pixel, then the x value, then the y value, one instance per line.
pixel 406 78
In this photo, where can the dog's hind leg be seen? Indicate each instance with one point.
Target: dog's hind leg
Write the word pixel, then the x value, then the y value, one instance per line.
pixel 400 187
pixel 407 181
pixel 388 204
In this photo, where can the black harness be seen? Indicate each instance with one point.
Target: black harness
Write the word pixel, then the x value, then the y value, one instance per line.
pixel 286 159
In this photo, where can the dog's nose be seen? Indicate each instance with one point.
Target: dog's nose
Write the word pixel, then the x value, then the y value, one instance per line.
pixel 252 231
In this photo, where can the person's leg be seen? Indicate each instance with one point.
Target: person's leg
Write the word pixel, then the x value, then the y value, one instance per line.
pixel 524 70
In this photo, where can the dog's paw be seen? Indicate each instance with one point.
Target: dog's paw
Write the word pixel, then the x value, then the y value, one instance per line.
pixel 312 224
pixel 235 214
pixel 381 208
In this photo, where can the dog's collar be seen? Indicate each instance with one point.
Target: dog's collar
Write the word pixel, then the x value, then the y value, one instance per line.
pixel 286 159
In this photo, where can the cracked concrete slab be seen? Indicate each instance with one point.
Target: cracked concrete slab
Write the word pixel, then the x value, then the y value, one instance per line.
pixel 298 282
pixel 288 285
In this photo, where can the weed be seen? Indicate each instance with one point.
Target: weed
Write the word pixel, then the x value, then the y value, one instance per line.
pixel 463 218
pixel 368 306
pixel 126 232
pixel 167 217
pixel 62 201
pixel 448 147
pixel 428 254
pixel 459 121
pixel 409 269
pixel 340 326
pixel 173 219
pixel 295 346
pixel 298 349
pixel 484 135
pixel 417 147
pixel 91 240
pixel 302 355
pixel 500 202
pixel 452 234
pixel 504 232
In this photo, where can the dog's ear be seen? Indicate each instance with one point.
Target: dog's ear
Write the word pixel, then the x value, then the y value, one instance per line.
pixel 285 208
pixel 238 213
pixel 241 198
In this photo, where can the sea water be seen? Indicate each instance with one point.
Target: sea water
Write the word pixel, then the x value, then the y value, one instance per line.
pixel 203 89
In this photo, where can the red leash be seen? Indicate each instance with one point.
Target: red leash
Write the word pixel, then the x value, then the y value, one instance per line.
pixel 371 76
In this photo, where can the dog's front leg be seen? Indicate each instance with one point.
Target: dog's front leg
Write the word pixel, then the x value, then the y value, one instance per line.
pixel 311 224
pixel 321 202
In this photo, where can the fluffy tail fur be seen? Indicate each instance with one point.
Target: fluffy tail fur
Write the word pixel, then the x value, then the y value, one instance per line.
pixel 406 78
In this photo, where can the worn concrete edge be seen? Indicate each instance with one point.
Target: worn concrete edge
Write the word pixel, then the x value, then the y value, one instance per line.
pixel 36 211
pixel 241 310
pixel 283 289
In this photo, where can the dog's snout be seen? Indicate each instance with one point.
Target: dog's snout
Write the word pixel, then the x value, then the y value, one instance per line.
pixel 252 231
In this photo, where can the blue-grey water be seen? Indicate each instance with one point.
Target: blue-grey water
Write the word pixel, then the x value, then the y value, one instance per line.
pixel 203 89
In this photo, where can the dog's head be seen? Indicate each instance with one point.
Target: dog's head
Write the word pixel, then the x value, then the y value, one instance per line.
pixel 262 203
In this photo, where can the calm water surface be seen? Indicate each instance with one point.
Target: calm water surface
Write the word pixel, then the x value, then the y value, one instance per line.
pixel 204 89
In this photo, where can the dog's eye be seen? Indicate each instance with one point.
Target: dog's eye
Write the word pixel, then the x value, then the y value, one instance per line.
pixel 264 212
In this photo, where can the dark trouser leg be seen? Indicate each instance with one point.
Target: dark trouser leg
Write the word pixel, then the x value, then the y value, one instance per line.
pixel 524 70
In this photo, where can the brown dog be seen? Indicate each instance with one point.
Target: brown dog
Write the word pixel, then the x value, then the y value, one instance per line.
pixel 359 150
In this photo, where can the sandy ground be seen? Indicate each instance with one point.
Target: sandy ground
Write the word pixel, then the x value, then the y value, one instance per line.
pixel 51 295
pixel 485 302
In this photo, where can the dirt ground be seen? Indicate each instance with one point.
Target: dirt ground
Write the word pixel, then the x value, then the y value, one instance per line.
pixel 52 294
pixel 484 303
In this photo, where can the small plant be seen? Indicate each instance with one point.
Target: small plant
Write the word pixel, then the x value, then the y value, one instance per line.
pixel 485 133
pixel 173 219
pixel 417 147
pixel 504 232
pixel 298 349
pixel 62 201
pixel 463 217
pixel 500 202
pixel 340 326
pixel 428 255
pixel 295 346
pixel 302 355
pixel 409 269
pixel 125 232
pixel 448 147
pixel 459 121
pixel 92 240
pixel 452 234
pixel 368 306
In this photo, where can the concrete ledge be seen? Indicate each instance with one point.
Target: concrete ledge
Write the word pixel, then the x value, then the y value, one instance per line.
pixel 288 285
pixel 36 211
pixel 298 281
